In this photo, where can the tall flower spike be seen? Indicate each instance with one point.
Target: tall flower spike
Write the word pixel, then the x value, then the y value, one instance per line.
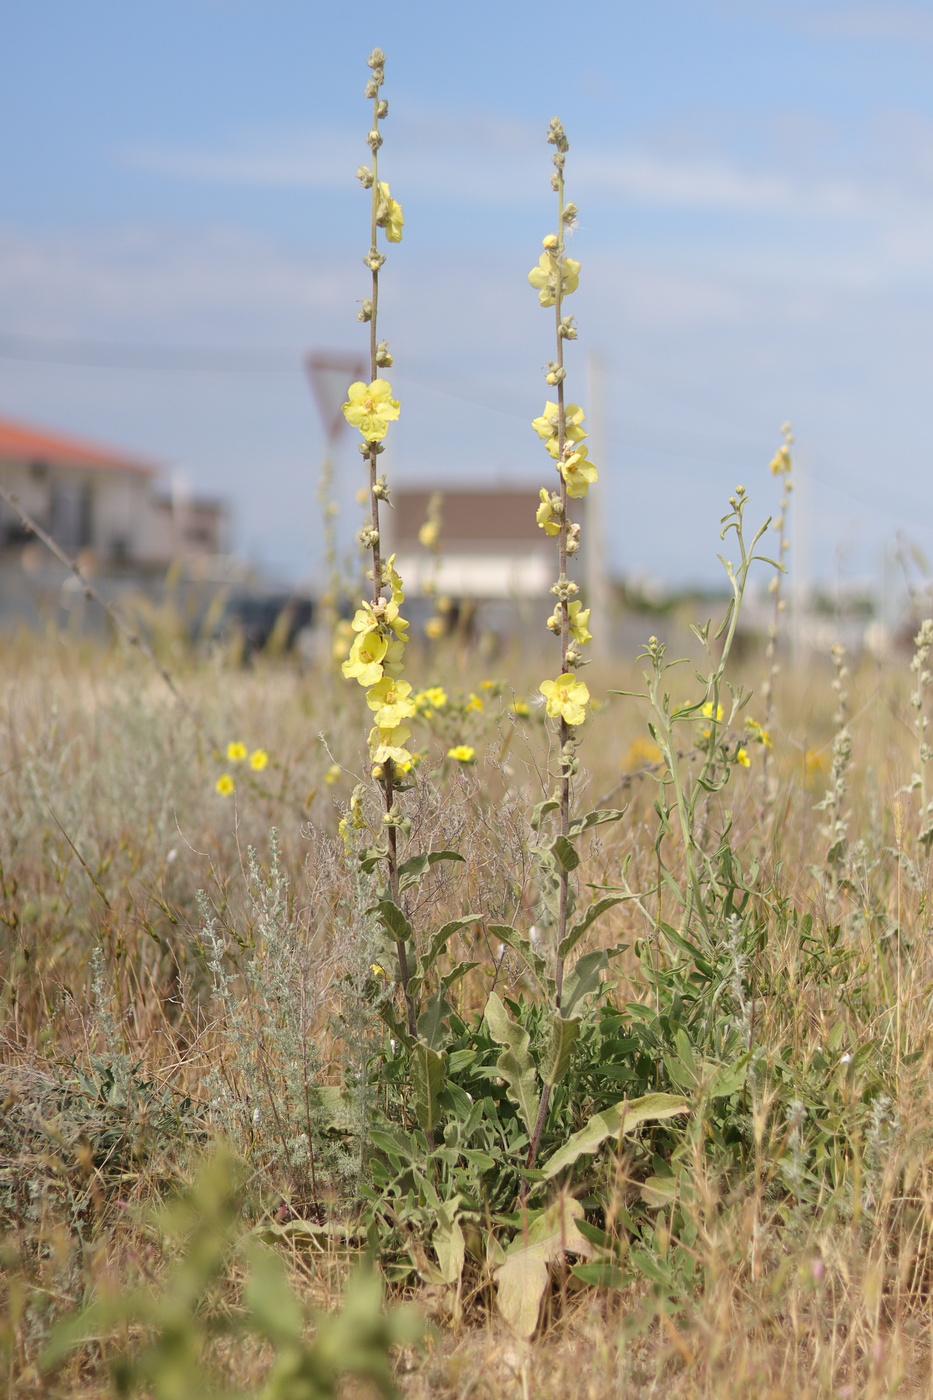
pixel 376 658
pixel 560 428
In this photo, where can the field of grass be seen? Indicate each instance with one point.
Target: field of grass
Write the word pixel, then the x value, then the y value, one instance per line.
pixel 174 991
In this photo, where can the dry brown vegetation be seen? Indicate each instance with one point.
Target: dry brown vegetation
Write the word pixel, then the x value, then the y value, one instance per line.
pixel 792 1254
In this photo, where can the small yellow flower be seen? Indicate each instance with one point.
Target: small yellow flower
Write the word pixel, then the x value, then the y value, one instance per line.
pixel 258 760
pixel 333 774
pixel 389 215
pixel 520 708
pixel 547 425
pixel 224 785
pixel 386 744
pixel 463 753
pixel 567 698
pixel 473 702
pixel 707 711
pixel 428 534
pixel 367 654
pixel 390 699
pixel 434 628
pixel 579 618
pixel 781 462
pixel 434 698
pixel 488 685
pixel 376 970
pixel 553 276
pixel 236 752
pixel 371 408
pixel 547 516
pixel 578 472
pixel 759 732
pixel 743 758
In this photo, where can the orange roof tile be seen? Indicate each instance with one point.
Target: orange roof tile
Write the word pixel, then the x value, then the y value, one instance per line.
pixel 20 442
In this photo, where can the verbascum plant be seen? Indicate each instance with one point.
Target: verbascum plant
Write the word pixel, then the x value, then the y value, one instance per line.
pixel 782 466
pixel 376 659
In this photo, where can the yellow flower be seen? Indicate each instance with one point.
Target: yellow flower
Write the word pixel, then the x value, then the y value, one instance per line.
pixel 781 461
pixel 236 752
pixel 332 775
pixel 463 753
pixel 578 472
pixel 428 533
pixel 389 215
pixel 473 702
pixel 520 708
pixel 707 711
pixel 743 758
pixel 224 785
pixel 434 698
pixel 434 628
pixel 370 407
pixel 258 760
pixel 386 744
pixel 547 425
pixel 364 663
pixel 554 275
pixel 546 516
pixel 567 698
pixel 376 970
pixel 579 618
pixel 390 699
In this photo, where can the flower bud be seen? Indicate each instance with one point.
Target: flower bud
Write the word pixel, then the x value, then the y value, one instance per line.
pixel 374 140
pixel 376 59
pixel 570 214
pixel 556 373
pixel 368 537
pixel 550 241
pixel 555 182
pixel 378 773
pixel 374 259
pixel 567 329
pixel 371 89
pixel 383 358
pixel 365 312
pixel 382 109
pixel 381 489
pixel 365 176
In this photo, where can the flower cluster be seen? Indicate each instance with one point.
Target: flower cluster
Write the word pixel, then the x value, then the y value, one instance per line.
pixel 237 752
pixel 375 661
pixel 560 428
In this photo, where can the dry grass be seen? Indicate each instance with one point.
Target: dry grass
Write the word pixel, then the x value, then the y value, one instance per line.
pixel 111 826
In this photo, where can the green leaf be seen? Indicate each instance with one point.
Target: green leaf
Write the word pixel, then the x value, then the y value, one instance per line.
pixel 442 938
pixel 523 1276
pixel 565 853
pixel 557 1055
pixel 515 1064
pixel 580 926
pixel 540 811
pixel 411 871
pixel 582 980
pixel 428 1074
pixel 596 818
pixel 522 946
pixel 448 1241
pixel 432 1023
pixel 623 1117
pixel 659 1191
pixel 371 856
pixel 602 1274
pixel 392 920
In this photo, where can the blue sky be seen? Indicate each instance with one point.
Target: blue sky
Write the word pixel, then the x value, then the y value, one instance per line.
pixel 181 223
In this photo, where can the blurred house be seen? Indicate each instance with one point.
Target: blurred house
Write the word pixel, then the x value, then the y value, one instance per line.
pixel 489 543
pixel 101 504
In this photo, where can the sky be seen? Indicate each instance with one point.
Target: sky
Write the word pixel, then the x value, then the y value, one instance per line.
pixel 181 225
